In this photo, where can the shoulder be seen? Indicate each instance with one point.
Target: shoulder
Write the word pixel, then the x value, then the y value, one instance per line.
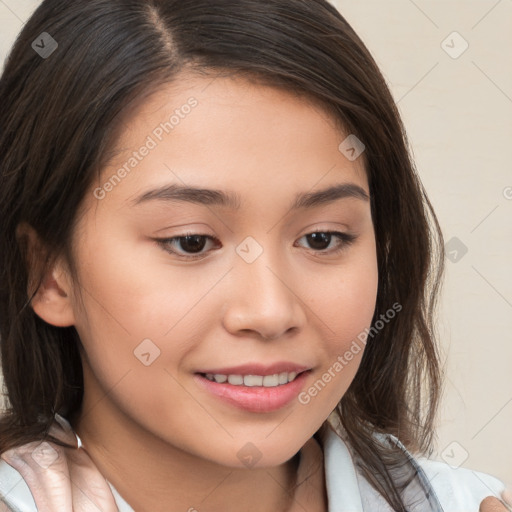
pixel 456 489
pixel 14 492
pixel 459 489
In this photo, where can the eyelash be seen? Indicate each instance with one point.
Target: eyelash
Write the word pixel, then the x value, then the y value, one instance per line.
pixel 345 238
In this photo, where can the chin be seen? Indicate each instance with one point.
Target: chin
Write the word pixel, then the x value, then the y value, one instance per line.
pixel 260 454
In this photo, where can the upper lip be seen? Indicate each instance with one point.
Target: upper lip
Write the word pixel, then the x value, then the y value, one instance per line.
pixel 258 369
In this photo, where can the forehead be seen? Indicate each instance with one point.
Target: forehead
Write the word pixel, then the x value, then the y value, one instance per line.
pixel 213 130
pixel 224 88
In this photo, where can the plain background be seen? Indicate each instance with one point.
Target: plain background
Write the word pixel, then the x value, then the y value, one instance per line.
pixel 449 67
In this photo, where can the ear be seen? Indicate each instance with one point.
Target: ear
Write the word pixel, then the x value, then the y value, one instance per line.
pixel 52 284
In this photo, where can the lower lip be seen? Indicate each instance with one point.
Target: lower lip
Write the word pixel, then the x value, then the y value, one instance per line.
pixel 255 398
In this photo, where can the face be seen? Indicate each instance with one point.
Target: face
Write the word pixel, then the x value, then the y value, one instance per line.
pixel 260 282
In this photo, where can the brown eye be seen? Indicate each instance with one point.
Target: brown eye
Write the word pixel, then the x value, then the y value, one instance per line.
pixel 320 241
pixel 192 243
pixel 189 246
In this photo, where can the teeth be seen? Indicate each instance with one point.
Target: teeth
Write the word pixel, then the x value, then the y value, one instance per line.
pixel 253 380
pixel 271 381
pixel 236 380
pixel 267 381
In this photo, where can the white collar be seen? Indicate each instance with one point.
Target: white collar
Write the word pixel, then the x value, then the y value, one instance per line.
pixel 340 476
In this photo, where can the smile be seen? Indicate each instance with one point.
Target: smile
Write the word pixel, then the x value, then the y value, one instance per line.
pixel 252 392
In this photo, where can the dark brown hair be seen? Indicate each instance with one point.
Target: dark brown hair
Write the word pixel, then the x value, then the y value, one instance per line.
pixel 59 116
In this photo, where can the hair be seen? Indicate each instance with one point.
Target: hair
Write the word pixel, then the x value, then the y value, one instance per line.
pixel 59 118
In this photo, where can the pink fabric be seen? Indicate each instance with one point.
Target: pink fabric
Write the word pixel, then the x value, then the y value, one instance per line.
pixel 63 479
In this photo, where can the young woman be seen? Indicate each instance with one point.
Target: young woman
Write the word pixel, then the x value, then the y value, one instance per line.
pixel 219 267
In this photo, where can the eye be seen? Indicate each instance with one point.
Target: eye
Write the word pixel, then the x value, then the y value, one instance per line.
pixel 321 240
pixel 191 244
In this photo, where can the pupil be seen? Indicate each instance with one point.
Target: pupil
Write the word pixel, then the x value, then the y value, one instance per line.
pixel 315 238
pixel 192 243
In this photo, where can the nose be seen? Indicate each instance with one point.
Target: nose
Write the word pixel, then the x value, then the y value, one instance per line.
pixel 264 298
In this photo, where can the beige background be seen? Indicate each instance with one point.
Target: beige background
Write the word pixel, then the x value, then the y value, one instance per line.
pixel 457 108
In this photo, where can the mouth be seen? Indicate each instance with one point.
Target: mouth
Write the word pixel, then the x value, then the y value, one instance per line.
pixel 254 392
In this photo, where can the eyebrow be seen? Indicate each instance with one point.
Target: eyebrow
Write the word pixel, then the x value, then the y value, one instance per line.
pixel 214 197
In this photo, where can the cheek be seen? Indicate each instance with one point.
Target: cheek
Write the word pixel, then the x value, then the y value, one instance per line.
pixel 142 317
pixel 132 291
pixel 349 299
pixel 346 304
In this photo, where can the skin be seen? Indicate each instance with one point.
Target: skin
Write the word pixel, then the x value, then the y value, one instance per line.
pixel 294 303
pixel 492 504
